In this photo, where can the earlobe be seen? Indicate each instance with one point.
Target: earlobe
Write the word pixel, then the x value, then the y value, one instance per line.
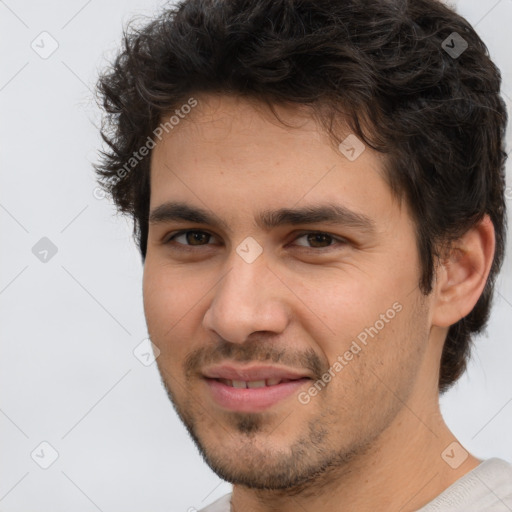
pixel 462 275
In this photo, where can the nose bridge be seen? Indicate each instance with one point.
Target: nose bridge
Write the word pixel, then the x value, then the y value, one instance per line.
pixel 246 300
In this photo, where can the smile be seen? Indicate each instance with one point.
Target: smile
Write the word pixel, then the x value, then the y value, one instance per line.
pixel 254 395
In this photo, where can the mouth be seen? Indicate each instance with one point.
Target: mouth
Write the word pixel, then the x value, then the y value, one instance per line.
pixel 252 389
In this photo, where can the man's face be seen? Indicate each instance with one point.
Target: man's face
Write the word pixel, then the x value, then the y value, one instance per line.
pixel 236 300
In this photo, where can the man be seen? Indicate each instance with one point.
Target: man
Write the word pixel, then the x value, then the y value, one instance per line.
pixel 317 189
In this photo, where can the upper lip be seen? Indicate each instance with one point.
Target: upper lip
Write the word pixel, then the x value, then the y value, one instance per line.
pixel 252 373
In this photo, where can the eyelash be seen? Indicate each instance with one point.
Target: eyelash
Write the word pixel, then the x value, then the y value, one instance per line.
pixel 339 240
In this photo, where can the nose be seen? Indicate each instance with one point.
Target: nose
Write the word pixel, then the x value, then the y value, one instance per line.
pixel 250 298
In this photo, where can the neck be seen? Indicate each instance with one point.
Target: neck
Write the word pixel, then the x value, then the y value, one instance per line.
pixel 402 470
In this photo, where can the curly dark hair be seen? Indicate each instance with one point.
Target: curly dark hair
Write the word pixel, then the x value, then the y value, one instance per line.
pixel 382 66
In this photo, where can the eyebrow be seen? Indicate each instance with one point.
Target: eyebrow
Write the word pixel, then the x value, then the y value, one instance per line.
pixel 268 219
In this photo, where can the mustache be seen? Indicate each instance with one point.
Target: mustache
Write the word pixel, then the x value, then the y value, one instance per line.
pixel 253 352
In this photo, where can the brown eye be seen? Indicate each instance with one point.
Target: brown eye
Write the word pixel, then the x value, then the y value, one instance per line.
pixel 318 240
pixel 191 238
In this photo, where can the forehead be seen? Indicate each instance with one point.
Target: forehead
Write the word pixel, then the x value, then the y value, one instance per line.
pixel 234 151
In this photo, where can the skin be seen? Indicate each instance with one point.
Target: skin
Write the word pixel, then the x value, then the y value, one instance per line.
pixel 372 438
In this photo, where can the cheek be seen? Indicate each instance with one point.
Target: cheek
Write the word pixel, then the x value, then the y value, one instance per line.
pixel 336 308
pixel 173 307
pixel 371 324
pixel 385 357
pixel 157 298
pixel 164 302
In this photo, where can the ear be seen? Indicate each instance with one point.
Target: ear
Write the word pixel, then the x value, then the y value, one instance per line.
pixel 461 276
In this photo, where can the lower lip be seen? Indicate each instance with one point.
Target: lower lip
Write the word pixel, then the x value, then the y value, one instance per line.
pixel 252 399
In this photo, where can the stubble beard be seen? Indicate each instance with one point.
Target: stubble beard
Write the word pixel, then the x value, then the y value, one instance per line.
pixel 302 467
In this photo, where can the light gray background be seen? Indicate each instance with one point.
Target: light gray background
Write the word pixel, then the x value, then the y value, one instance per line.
pixel 69 326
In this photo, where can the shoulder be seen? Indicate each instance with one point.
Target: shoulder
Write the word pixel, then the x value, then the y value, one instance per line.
pixel 221 505
pixel 487 488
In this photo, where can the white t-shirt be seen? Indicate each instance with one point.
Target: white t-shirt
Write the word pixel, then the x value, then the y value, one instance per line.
pixel 486 488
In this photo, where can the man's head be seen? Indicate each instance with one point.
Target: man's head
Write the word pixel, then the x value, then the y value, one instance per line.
pixel 241 107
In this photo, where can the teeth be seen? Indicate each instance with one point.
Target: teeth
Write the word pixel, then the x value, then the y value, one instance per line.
pixel 242 384
pixel 256 384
